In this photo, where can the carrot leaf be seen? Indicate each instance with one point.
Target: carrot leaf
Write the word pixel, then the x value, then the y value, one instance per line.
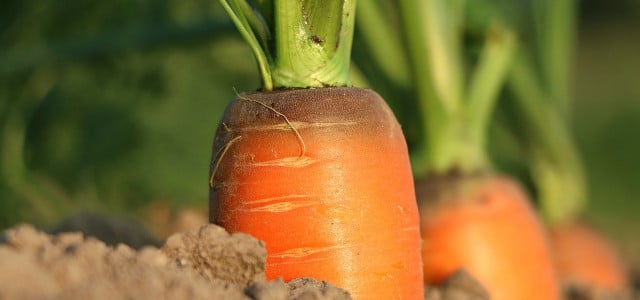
pixel 255 32
pixel 487 80
pixel 297 43
pixel 455 102
pixel 555 31
pixel 556 167
pixel 385 44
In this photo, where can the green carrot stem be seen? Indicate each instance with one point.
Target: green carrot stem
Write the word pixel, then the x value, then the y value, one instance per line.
pixel 381 51
pixel 312 40
pixel 555 20
pixel 386 46
pixel 455 115
pixel 240 13
pixel 441 21
pixel 556 166
pixel 544 104
pixel 431 110
pixel 486 83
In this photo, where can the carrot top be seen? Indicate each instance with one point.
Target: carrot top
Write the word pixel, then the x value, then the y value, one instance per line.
pixel 540 84
pixel 456 101
pixel 297 43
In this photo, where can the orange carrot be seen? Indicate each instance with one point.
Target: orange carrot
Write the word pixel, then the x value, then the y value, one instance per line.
pixel 323 177
pixel 470 217
pixel 485 225
pixel 585 259
pixel 319 171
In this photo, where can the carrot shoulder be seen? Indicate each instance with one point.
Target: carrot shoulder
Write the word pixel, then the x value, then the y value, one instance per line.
pixel 323 177
pixel 486 225
pixel 585 259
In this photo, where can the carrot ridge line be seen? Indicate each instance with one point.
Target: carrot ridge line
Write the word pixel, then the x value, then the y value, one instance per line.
pixel 292 262
pixel 305 251
pixel 292 162
pixel 270 199
pixel 280 206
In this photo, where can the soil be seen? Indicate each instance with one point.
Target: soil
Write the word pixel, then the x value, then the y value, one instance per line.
pixel 578 292
pixel 460 286
pixel 204 262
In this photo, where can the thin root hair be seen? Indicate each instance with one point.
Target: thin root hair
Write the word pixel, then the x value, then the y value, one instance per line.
pixel 303 146
pixel 219 157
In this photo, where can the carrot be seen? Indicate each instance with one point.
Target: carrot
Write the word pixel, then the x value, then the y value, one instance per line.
pixel 472 218
pixel 585 259
pixel 321 174
pixel 329 190
pixel 485 224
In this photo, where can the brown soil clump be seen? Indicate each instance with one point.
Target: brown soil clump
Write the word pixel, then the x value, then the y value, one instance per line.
pixel 579 292
pixel 207 263
pixel 217 255
pixel 459 286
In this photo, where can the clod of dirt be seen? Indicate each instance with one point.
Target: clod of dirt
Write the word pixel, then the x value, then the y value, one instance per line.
pixel 35 265
pixel 459 286
pixel 297 289
pixel 237 258
pixel 23 278
pixel 207 263
pixel 310 289
pixel 578 292
pixel 268 290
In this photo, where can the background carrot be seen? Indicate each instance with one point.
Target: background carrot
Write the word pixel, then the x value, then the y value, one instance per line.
pixel 487 226
pixel 587 261
pixel 539 86
pixel 322 175
pixel 471 217
pixel 580 251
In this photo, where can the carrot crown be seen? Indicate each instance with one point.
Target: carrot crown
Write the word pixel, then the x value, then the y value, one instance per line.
pixel 455 102
pixel 297 43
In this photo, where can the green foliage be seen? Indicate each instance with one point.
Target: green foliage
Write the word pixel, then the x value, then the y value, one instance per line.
pixel 111 105
pixel 297 43
pixel 453 90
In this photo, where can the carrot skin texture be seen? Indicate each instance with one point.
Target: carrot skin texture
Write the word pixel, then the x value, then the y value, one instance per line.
pixel 334 201
pixel 486 225
pixel 586 259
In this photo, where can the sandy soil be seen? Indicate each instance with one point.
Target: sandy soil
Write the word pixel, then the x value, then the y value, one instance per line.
pixel 460 286
pixel 205 262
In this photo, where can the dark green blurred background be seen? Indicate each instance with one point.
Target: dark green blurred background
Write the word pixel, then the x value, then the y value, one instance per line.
pixel 607 116
pixel 111 105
